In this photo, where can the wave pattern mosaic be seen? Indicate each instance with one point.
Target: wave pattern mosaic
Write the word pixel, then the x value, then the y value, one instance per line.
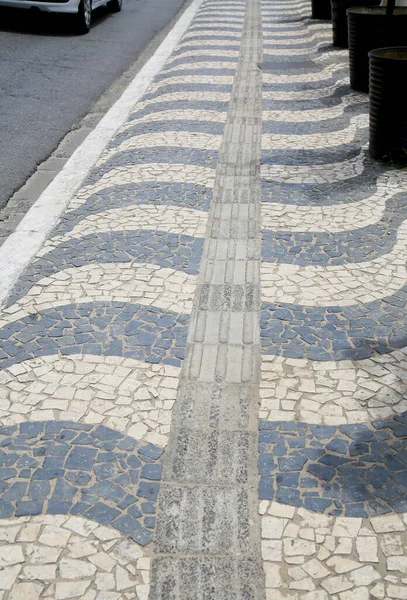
pixel 94 333
pixel 333 416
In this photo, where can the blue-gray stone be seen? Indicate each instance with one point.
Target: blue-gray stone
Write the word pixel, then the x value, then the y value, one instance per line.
pixel 142 536
pixel 38 490
pixel 150 451
pixel 152 471
pixel 7 473
pixel 126 524
pixel 288 479
pixel 134 511
pixel 355 510
pixel 358 432
pixel 148 490
pixel 317 504
pixel 332 461
pixel 28 507
pixel 81 458
pixel 292 463
pixel 148 508
pixel 266 488
pixel 58 507
pixel 321 472
pixel 288 496
pixel 15 492
pixel 6 509
pixel 48 473
pixel 63 490
pixel 105 433
pixel 149 522
pixel 102 513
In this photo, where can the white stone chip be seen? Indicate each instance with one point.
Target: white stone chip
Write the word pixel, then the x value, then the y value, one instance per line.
pixel 397 563
pixel 70 589
pixel 281 510
pixel 272 527
pixel 103 561
pixel 294 547
pixel 10 555
pixel 305 584
pixel 333 585
pixel 26 591
pixel 366 547
pixel 8 576
pixel 273 575
pixel 29 533
pixel 315 569
pixel 54 536
pixel 75 569
pixel 80 526
pixel 8 534
pixel 397 591
pixel 344 546
pixel 346 527
pixel 342 565
pixel 387 523
pixel 40 573
pixel 123 580
pixel 143 592
pixel 364 576
pixel 360 593
pixel 378 590
pixel 105 581
pixel 391 544
pixel 272 550
pixel 316 595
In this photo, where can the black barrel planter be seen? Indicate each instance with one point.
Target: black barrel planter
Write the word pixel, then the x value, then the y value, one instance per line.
pixel 340 19
pixel 388 110
pixel 321 9
pixel 370 28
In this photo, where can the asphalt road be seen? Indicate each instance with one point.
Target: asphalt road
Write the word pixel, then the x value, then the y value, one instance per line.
pixel 50 78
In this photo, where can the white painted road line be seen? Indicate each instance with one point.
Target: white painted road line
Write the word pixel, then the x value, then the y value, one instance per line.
pixel 22 245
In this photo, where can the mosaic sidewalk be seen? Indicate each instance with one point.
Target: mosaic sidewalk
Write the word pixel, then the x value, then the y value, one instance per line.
pixel 333 415
pixel 203 384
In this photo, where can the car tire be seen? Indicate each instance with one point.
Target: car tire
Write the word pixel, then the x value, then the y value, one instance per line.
pixel 83 17
pixel 115 6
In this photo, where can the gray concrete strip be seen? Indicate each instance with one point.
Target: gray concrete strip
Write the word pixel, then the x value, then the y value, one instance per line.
pixel 207 542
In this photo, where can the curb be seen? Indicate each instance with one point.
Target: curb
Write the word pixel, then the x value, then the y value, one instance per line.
pixel 22 245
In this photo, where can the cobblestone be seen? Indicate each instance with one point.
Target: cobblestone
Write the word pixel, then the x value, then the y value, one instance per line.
pixel 202 372
pixel 126 395
pixel 46 554
pixel 332 384
pixel 94 336
pixel 79 469
pixel 336 562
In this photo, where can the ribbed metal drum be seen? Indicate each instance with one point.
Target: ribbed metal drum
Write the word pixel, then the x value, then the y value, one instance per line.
pixel 340 19
pixel 321 9
pixel 388 106
pixel 369 28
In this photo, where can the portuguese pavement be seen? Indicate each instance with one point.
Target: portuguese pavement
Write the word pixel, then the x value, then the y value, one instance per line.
pixel 203 385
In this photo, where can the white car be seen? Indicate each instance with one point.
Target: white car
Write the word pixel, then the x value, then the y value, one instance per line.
pixel 81 10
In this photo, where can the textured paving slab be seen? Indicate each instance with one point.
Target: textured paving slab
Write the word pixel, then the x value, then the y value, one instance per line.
pixel 207 537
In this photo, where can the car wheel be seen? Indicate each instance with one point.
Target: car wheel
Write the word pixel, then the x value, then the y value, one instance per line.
pixel 115 5
pixel 83 16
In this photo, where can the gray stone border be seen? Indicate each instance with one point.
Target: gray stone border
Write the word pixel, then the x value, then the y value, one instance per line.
pixel 207 542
